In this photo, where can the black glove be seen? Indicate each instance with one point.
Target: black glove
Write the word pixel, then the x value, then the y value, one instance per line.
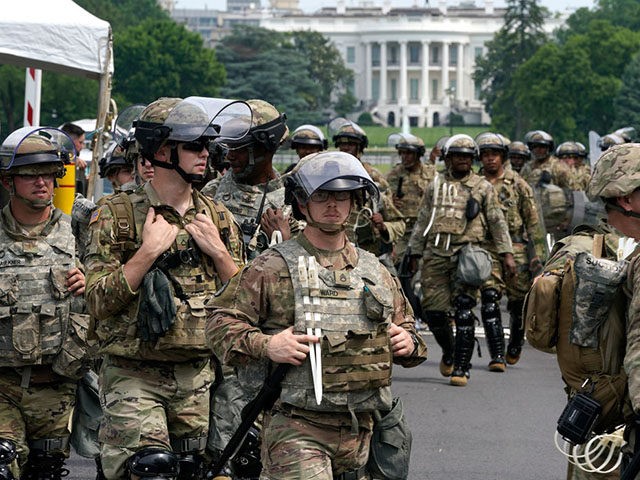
pixel 157 309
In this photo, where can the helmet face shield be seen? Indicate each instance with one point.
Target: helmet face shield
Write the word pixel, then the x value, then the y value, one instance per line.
pixel 33 146
pixel 123 133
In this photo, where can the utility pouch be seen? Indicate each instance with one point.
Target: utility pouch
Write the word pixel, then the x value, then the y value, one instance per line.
pixel 578 418
pixel 474 265
pixel 390 449
pixel 596 282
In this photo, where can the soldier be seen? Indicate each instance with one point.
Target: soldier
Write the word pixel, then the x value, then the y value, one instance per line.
pixel 320 428
pixel 252 189
pixel 349 137
pixel 573 155
pixel 308 139
pixel 518 154
pixel 527 236
pixel 155 254
pixel 43 339
pixel 460 208
pixel 436 152
pixel 116 167
pixel 591 360
pixel 544 168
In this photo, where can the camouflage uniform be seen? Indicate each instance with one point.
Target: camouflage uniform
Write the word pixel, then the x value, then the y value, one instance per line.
pixel 414 184
pixel 450 231
pixel 560 174
pixel 261 299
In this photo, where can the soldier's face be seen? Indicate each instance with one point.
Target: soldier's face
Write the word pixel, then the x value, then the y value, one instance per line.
pixel 193 157
pixel 120 176
pixel 571 160
pixel 460 162
pixel 350 147
pixel 145 169
pixel 540 151
pixel 36 189
pixel 304 150
pixel 328 210
pixel 491 160
pixel 408 158
pixel 517 162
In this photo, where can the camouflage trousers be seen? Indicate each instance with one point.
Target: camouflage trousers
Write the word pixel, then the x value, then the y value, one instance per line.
pixel 37 412
pixel 295 448
pixel 150 404
pixel 518 286
pixel 440 286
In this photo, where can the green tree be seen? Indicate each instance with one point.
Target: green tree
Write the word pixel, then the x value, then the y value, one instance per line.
pixel 11 98
pixel 519 38
pixel 161 58
pixel 273 66
pixel 122 14
pixel 627 103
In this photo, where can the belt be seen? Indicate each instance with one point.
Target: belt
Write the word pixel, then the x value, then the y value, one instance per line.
pixel 123 362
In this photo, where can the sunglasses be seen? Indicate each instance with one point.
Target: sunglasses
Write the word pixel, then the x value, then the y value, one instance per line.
pixel 323 195
pixel 196 145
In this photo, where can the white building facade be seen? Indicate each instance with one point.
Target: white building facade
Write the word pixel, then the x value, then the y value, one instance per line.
pixel 411 65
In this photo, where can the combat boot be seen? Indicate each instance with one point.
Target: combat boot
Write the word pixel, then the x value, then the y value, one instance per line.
pixel 465 340
pixel 443 333
pixel 516 338
pixel 45 466
pixel 8 454
pixel 492 322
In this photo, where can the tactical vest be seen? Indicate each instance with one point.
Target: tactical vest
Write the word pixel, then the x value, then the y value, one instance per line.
pixel 34 302
pixel 509 198
pixel 355 310
pixel 244 202
pixel 193 283
pixel 450 209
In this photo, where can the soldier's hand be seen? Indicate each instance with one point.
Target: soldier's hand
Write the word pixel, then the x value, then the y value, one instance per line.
pixel 288 347
pixel 398 202
pixel 157 234
pixel 509 265
pixel 535 266
pixel 273 219
pixel 75 281
pixel 401 341
pixel 206 235
pixel 413 265
pixel 378 222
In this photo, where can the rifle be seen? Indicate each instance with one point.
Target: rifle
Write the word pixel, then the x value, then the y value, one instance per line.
pixel 265 400
pixel 399 192
pixel 405 277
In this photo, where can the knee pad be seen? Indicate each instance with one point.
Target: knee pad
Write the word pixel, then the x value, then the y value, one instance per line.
pixel 490 295
pixel 191 466
pixel 246 463
pixel 154 463
pixel 8 453
pixel 464 316
pixel 436 318
pixel 464 302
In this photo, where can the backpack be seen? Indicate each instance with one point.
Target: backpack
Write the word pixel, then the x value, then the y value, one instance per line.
pixel 579 314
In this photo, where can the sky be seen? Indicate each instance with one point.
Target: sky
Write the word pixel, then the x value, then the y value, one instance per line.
pixel 313 5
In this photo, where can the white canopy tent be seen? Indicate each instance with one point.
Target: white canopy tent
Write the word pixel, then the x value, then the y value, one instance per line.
pixel 60 36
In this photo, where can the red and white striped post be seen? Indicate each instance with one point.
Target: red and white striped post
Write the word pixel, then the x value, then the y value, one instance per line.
pixel 32 90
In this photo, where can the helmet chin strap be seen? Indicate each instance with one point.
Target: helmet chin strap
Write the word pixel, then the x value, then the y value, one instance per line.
pixel 251 166
pixel 35 204
pixel 626 213
pixel 327 228
pixel 175 165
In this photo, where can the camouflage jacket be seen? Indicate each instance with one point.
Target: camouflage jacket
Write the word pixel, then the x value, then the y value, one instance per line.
pixel 114 304
pixel 447 219
pixel 519 208
pixel 558 170
pixel 414 184
pixel 244 202
pixel 632 355
pixel 580 176
pixel 376 176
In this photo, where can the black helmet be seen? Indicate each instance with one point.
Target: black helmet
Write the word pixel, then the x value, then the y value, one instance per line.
pixel 115 157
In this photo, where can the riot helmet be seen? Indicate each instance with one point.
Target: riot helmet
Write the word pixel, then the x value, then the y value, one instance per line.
pixel 491 141
pixel 610 140
pixel 35 151
pixel 537 138
pixel 327 171
pixel 115 158
pixel 346 132
pixel 617 172
pixel 406 141
pixel 308 135
pixel 267 131
pixel 194 120
pixel 460 143
pixel 518 153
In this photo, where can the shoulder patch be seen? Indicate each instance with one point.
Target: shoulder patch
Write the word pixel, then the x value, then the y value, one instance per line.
pixel 95 215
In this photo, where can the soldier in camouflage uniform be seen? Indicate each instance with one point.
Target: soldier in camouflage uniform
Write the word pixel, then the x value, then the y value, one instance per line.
pixel 459 207
pixel 308 139
pixel 260 318
pixel 155 255
pixel 252 189
pixel 615 181
pixel 517 155
pixel 43 345
pixel 436 152
pixel 519 208
pixel 349 137
pixel 573 154
pixel 543 167
pixel 116 167
pixel 408 181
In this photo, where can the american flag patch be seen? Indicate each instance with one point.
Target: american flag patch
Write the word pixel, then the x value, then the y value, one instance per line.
pixel 94 216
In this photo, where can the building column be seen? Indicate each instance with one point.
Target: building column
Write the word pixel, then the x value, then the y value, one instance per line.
pixel 425 74
pixel 445 74
pixel 403 73
pixel 383 73
pixel 368 75
pixel 460 73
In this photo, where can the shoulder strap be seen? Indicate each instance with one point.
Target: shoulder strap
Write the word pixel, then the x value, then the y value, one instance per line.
pixel 598 244
pixel 125 228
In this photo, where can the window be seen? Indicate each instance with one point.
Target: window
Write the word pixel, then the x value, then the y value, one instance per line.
pixel 453 55
pixel 476 91
pixel 477 52
pixel 351 54
pixel 435 55
pixel 375 88
pixel 393 55
pixel 434 89
pixel 414 86
pixel 414 53
pixel 375 55
pixel 394 90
